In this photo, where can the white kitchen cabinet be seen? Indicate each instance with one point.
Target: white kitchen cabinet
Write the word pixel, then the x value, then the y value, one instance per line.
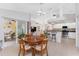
pixel 72 35
pixel 58 37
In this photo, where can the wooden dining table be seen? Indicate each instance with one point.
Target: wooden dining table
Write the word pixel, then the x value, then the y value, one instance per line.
pixel 32 42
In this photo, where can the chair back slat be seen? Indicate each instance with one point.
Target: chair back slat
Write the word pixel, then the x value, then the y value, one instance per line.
pixel 22 43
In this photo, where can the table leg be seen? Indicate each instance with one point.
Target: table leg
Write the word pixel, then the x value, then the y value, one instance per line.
pixel 33 52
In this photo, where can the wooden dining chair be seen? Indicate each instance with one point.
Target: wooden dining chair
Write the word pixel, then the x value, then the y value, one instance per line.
pixel 28 35
pixel 30 40
pixel 41 47
pixel 23 47
pixel 43 36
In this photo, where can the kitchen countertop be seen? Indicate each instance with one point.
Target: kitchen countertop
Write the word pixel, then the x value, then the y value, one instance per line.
pixel 60 30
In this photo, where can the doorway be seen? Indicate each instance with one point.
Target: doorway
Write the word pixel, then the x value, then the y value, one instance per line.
pixel 9 32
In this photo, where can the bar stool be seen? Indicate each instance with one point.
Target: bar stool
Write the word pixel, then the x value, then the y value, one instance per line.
pixel 54 37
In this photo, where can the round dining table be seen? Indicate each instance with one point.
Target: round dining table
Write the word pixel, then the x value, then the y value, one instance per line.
pixel 32 42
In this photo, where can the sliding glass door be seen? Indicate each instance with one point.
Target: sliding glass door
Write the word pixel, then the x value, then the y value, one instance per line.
pixel 21 28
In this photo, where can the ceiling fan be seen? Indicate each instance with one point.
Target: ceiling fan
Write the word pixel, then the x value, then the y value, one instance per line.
pixel 41 11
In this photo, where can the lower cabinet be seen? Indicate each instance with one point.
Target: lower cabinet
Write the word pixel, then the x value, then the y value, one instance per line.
pixel 72 35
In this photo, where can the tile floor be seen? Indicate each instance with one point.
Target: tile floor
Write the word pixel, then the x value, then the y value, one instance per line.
pixel 65 48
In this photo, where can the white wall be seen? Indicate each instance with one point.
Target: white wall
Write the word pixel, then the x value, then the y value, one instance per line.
pixel 39 26
pixel 41 22
pixel 77 25
pixel 70 25
pixel 1 31
pixel 77 33
pixel 1 28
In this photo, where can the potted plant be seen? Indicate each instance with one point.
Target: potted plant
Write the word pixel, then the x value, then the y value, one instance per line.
pixel 21 36
pixel 46 34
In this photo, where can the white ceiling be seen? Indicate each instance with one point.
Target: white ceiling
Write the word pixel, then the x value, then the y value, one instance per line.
pixel 68 9
pixel 32 7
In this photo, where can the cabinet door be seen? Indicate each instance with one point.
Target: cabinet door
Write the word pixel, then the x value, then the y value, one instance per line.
pixel 72 35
